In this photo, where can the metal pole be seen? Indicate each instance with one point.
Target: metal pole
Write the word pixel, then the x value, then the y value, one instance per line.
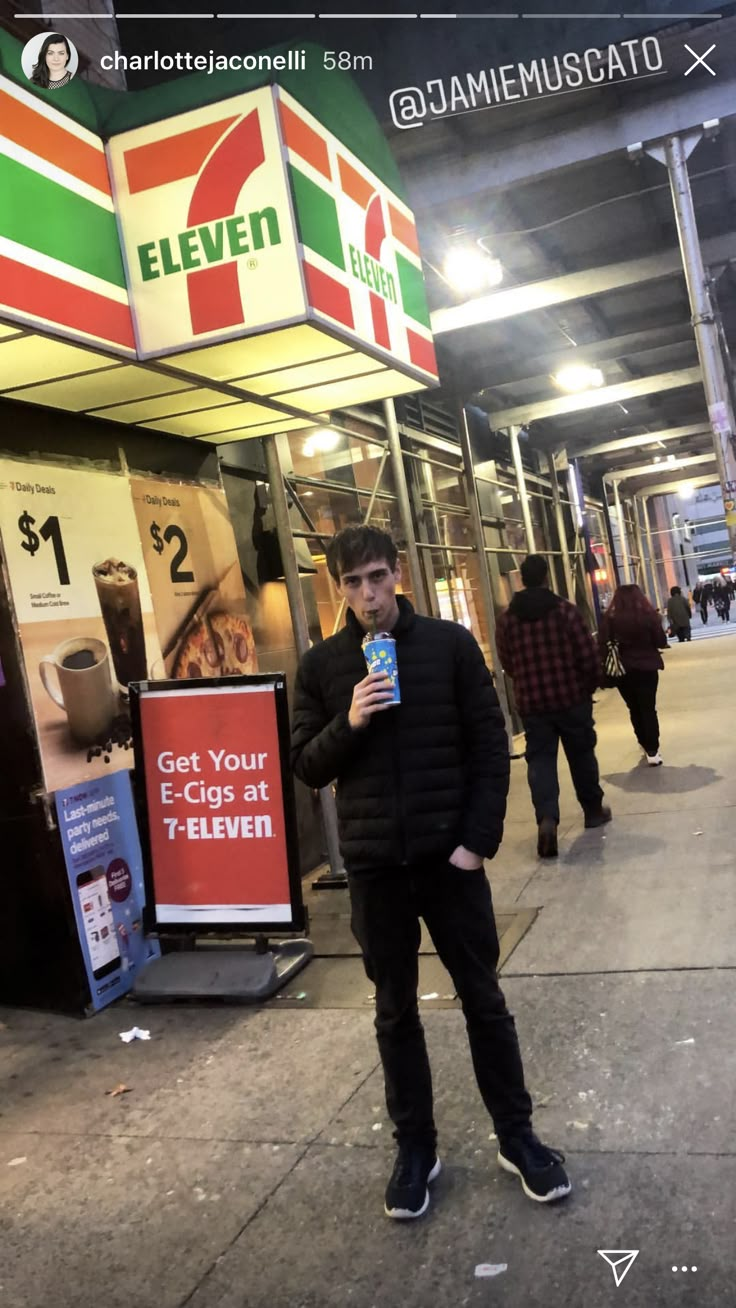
pixel 336 877
pixel 715 381
pixel 652 556
pixel 486 590
pixel 560 522
pixel 521 487
pixel 402 495
pixel 639 543
pixel 611 538
pixel 623 543
pixel 584 557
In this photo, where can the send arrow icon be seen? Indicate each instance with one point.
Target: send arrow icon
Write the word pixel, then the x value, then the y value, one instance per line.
pixel 619 1260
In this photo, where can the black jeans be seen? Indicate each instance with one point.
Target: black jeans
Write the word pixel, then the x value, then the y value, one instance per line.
pixel 639 690
pixel 544 731
pixel 457 908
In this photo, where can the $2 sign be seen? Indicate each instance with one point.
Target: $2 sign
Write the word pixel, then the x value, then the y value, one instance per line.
pixel 173 533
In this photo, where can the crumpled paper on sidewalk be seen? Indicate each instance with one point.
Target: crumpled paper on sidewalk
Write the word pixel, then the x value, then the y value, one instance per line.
pixel 135 1033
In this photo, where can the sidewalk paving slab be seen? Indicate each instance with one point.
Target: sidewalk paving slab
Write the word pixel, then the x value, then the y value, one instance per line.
pixel 95 1221
pixel 323 1241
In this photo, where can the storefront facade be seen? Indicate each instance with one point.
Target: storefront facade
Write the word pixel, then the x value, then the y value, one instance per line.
pixel 205 319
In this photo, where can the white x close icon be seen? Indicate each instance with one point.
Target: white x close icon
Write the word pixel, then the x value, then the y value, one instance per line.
pixel 700 59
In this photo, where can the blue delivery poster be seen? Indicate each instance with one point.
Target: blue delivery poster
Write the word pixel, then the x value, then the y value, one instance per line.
pixel 103 858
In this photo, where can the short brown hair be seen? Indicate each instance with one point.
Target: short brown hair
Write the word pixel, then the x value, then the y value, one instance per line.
pixel 354 546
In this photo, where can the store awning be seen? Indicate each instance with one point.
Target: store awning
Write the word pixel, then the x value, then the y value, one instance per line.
pixel 231 271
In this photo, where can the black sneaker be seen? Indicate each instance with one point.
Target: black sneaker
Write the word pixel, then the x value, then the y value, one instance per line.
pixel 547 838
pixel 540 1169
pixel 407 1193
pixel 599 817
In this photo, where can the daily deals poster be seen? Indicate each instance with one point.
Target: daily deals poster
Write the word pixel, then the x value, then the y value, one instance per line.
pixel 83 607
pixel 115 579
pixel 215 805
pixel 192 564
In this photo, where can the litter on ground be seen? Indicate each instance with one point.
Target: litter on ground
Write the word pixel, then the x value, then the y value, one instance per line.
pixel 491 1269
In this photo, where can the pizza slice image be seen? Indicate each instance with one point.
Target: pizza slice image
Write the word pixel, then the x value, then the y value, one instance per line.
pixel 198 654
pixel 234 643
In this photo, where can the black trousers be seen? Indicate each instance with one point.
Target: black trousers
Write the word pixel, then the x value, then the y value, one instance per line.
pixel 387 904
pixel 683 633
pixel 639 690
pixel 544 731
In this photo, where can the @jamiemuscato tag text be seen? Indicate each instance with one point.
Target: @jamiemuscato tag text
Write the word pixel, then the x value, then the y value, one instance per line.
pixel 213 825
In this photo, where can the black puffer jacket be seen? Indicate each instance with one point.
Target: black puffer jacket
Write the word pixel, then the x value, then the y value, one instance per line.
pixel 421 778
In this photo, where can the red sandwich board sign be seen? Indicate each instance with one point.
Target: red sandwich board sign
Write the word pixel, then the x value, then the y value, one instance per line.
pixel 216 801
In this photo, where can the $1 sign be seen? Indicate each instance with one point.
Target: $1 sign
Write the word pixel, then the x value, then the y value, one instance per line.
pixel 51 530
pixel 173 533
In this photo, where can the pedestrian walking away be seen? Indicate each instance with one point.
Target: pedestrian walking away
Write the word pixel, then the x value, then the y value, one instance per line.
pixel 706 600
pixel 679 614
pixel 722 601
pixel 700 599
pixel 636 627
pixel 421 799
pixel 547 650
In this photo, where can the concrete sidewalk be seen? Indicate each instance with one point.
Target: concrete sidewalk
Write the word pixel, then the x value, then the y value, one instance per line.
pixel 246 1166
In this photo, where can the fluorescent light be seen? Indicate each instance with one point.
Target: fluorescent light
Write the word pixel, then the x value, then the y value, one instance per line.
pixel 578 377
pixel 686 490
pixel 320 442
pixel 469 270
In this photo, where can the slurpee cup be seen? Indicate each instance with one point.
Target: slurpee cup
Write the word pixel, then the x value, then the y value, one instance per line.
pixel 379 649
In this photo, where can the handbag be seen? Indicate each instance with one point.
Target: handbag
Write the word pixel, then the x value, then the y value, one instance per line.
pixel 613 668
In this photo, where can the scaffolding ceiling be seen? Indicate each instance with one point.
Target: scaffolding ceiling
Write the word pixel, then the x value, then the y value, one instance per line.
pixel 584 229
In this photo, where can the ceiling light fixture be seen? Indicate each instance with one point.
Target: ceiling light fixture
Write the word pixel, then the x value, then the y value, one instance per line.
pixel 470 271
pixel 578 377
pixel 320 442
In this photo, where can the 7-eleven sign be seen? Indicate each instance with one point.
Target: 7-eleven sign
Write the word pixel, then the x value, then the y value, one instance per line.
pixel 358 244
pixel 206 224
pixel 249 215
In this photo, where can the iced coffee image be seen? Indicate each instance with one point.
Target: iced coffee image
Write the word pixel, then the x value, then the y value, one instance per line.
pixel 120 603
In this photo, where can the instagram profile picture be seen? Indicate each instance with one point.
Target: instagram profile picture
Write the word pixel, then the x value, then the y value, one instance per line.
pixel 49 60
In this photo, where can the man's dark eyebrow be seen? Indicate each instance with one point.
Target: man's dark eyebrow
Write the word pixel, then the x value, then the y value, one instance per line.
pixel 353 576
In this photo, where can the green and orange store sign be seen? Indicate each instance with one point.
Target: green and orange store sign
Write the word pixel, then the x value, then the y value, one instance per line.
pixel 219 223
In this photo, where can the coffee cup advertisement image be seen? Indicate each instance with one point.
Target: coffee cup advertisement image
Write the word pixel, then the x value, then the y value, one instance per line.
pixel 49 61
pixel 84 611
pixel 83 687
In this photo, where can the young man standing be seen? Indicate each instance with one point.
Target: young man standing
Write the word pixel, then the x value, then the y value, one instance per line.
pixel 421 798
pixel 547 650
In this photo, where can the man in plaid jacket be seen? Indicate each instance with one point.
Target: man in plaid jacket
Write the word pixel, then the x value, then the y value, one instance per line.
pixel 547 650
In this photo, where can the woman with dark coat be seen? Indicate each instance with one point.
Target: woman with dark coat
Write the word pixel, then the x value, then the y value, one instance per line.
pixel 636 627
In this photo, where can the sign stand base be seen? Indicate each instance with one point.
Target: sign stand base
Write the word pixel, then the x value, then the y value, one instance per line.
pixel 236 975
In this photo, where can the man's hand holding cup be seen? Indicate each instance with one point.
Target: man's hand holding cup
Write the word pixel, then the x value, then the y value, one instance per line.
pixel 374 693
